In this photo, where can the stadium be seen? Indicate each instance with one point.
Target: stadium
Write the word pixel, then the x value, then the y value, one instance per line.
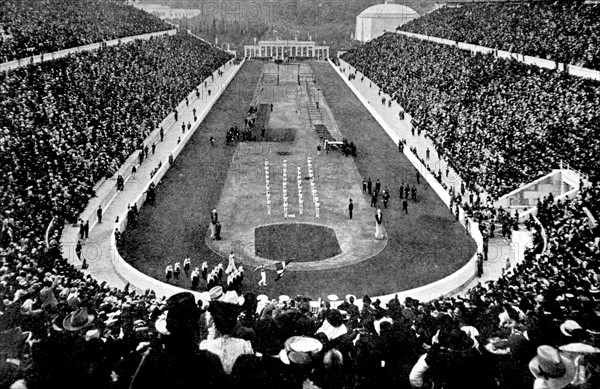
pixel 185 204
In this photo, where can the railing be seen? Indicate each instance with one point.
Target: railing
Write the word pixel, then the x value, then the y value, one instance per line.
pixel 48 230
pixel 124 270
pixel 63 53
pixel 540 62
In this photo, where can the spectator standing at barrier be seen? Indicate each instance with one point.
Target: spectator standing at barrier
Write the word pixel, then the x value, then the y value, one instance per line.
pixel 99 214
pixel 78 249
pixel 81 229
pixel 479 264
pixel 162 134
pixel 86 229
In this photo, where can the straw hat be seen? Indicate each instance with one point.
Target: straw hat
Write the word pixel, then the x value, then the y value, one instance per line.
pixel 77 320
pixel 551 367
pixel 300 350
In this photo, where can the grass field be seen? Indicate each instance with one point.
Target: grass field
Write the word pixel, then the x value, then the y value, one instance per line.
pixel 421 247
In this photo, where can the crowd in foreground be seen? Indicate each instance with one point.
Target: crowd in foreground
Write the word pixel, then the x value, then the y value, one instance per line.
pixel 537 326
pixel 481 112
pixel 32 27
pixel 565 32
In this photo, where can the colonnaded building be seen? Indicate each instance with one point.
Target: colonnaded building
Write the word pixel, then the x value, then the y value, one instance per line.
pixel 281 49
pixel 381 18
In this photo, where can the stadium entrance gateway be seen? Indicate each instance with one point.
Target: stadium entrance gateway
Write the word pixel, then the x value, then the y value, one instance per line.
pixel 286 49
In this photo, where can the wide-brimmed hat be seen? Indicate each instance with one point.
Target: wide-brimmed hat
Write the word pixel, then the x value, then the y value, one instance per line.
pixel 555 369
pixel 78 319
pixel 579 348
pixel 569 327
pixel 300 350
pixel 92 334
pixel 231 297
pixel 215 293
pixel 262 297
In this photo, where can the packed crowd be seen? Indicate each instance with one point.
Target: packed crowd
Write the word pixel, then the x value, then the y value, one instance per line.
pixel 56 119
pixel 32 27
pixel 481 112
pixel 539 323
pixel 566 32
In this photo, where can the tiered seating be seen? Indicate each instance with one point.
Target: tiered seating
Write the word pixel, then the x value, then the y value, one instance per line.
pixel 79 333
pixel 31 27
pixel 482 112
pixel 565 32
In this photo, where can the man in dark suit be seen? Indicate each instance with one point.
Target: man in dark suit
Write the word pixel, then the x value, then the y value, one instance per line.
pixel 350 208
pixel 405 206
pixel 99 214
pixel 402 190
pixel 374 199
pixel 369 186
pixel 81 229
pixel 377 186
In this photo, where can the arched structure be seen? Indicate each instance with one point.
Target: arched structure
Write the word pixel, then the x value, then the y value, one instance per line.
pixel 380 18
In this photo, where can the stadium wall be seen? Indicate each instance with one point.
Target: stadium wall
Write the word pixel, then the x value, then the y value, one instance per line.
pixel 124 269
pixel 106 190
pixel 463 276
pixel 528 60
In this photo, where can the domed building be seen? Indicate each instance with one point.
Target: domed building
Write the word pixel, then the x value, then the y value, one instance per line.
pixel 380 18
